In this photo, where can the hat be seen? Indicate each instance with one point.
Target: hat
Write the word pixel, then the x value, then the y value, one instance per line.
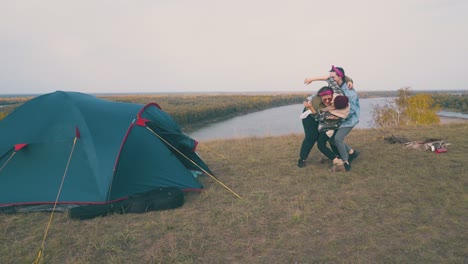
pixel 341 102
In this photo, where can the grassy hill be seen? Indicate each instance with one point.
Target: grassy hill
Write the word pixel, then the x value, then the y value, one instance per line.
pixel 396 205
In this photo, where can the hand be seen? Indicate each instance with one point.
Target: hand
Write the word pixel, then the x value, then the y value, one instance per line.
pixel 307 103
pixel 308 80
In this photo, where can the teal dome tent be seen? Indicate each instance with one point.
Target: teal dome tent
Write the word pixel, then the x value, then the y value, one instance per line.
pixel 90 151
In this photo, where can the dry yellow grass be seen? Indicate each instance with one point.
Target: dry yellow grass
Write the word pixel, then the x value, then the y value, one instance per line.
pixel 395 206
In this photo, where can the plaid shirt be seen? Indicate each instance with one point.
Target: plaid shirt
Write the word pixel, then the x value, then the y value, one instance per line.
pixel 336 88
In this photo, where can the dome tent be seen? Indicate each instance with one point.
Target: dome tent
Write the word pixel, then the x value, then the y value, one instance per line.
pixel 90 151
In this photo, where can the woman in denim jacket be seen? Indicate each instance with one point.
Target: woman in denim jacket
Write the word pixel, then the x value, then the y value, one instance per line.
pixel 336 80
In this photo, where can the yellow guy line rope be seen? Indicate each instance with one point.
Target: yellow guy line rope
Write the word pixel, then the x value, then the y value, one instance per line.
pixel 40 253
pixel 12 154
pixel 207 173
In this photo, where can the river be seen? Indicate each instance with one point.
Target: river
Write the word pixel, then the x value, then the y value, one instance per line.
pixel 276 121
pixel 452 114
pixel 282 120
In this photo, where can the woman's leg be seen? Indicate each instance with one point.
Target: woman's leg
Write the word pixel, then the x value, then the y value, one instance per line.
pixel 311 134
pixel 322 146
pixel 334 148
pixel 338 141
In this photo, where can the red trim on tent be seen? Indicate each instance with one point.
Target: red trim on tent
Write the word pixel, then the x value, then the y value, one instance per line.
pixel 77 133
pixel 20 146
pixel 141 121
pixel 195 145
pixel 146 106
pixel 121 145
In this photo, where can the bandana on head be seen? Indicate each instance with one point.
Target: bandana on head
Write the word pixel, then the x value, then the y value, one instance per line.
pixel 338 72
pixel 327 92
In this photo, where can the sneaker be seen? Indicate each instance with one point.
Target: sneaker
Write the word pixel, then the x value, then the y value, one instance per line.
pixel 347 166
pixel 301 163
pixel 353 156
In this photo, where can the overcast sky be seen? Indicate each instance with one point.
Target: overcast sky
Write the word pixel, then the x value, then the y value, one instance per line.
pixel 143 46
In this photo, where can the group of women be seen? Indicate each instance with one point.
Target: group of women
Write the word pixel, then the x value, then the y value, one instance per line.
pixel 329 116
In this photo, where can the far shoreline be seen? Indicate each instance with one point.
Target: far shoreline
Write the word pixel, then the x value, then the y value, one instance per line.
pixel 450 120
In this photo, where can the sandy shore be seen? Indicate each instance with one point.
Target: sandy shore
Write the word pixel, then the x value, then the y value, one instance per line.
pixel 448 120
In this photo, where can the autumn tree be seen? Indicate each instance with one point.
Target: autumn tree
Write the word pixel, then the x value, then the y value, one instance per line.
pixel 420 109
pixel 406 109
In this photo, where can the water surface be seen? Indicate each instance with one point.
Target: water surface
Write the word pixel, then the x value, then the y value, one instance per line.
pixel 276 121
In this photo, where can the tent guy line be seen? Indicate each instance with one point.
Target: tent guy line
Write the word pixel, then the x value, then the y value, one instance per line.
pixel 46 232
pixel 207 173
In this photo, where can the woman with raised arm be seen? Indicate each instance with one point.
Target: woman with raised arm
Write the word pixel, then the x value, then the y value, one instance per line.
pixel 338 82
pixel 309 123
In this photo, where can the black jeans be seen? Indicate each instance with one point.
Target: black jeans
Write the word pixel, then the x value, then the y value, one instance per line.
pixel 311 135
pixel 322 146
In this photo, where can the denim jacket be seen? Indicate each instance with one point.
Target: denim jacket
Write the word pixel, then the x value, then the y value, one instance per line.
pixel 353 116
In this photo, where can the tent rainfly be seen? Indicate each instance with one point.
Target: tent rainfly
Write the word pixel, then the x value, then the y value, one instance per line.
pixel 69 149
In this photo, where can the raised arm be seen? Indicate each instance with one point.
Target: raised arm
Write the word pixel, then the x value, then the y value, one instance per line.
pixel 313 79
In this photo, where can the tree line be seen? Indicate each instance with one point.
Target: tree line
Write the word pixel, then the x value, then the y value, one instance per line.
pixel 198 109
pixel 193 110
pixel 188 110
pixel 457 102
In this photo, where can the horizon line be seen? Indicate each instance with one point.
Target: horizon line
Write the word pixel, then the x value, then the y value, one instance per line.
pixel 219 92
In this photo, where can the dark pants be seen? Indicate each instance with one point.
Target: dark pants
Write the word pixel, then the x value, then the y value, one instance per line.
pixel 322 146
pixel 311 134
